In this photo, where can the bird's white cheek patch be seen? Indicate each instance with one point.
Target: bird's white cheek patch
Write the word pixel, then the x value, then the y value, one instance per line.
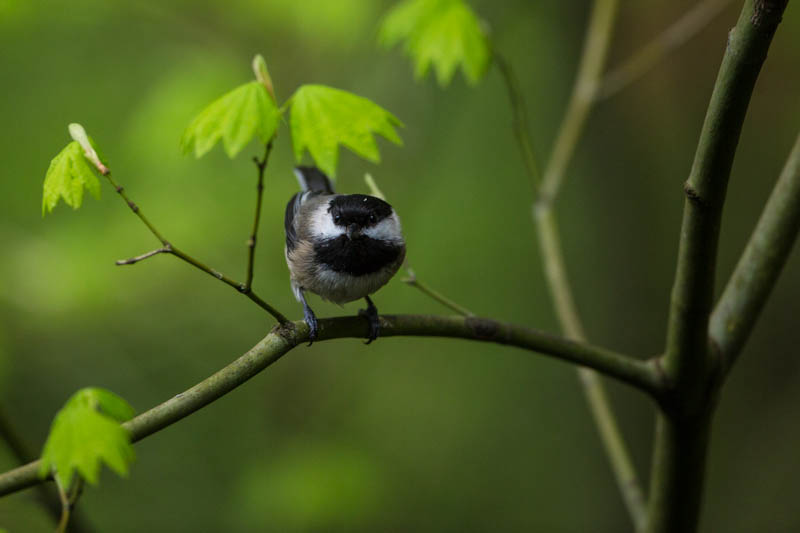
pixel 322 225
pixel 387 229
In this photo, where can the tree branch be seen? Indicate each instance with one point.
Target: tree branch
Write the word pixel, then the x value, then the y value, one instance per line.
pixel 641 374
pixel 520 117
pixel 171 249
pixel 636 66
pixel 598 36
pixel 683 425
pixel 759 266
pixel 590 70
pixel 687 335
pixel 251 242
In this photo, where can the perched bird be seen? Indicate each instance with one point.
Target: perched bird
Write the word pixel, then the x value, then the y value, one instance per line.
pixel 342 247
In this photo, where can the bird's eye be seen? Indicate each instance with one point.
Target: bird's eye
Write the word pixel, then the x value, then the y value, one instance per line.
pixel 372 218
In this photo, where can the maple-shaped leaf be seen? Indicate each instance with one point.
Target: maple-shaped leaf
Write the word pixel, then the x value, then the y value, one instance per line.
pixel 442 33
pixel 236 117
pixel 67 176
pixel 322 118
pixel 85 433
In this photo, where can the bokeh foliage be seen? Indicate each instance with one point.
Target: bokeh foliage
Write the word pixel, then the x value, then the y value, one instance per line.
pixel 425 435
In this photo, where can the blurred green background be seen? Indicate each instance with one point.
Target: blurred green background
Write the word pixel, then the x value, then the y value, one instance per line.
pixel 405 434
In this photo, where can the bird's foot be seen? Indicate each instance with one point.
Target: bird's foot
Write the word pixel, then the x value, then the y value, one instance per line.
pixel 371 314
pixel 313 326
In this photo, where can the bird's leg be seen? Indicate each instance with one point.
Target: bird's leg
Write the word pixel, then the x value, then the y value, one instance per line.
pixel 371 314
pixel 310 319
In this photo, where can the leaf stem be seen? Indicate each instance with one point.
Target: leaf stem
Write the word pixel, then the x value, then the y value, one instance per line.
pixel 759 266
pixel 171 249
pixel 648 56
pixel 69 497
pixel 283 338
pixel 251 242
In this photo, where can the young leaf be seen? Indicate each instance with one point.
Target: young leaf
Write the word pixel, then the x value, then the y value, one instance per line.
pixel 442 33
pixel 87 432
pixel 323 117
pixel 235 117
pixel 67 176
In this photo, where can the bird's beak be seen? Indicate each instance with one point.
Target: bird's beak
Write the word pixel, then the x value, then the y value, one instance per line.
pixel 352 231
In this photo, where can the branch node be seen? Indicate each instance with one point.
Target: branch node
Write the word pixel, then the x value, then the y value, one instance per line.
pixel 693 195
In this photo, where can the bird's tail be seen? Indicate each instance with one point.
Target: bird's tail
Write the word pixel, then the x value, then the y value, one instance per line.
pixel 313 179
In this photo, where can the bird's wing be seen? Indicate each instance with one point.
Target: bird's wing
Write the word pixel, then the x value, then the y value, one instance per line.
pixel 288 222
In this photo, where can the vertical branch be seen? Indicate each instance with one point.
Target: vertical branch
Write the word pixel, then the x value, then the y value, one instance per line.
pixel 598 37
pixel 683 425
pixel 581 101
pixel 251 242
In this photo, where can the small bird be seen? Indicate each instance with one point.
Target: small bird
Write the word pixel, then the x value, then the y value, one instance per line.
pixel 342 247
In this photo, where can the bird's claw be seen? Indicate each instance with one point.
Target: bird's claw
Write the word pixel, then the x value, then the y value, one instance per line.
pixel 313 326
pixel 371 314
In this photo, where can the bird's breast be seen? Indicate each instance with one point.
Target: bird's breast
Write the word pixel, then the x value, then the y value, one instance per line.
pixel 359 256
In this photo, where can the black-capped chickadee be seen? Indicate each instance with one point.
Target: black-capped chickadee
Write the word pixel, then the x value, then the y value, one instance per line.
pixel 342 247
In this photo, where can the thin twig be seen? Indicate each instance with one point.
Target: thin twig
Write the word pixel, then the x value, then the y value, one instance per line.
pixel 413 281
pixel 598 36
pixel 170 248
pixel 675 36
pixel 640 374
pixel 411 278
pixel 251 242
pixel 590 69
pixel 134 260
pixel 520 117
pixel 69 497
pixel 760 265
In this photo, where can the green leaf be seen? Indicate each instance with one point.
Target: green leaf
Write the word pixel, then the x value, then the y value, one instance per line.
pixel 235 117
pixel 87 432
pixel 67 176
pixel 442 33
pixel 322 118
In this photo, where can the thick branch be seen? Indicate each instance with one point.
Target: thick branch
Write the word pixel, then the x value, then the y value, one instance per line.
pixel 681 440
pixel 692 292
pixel 636 66
pixel 760 265
pixel 641 374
